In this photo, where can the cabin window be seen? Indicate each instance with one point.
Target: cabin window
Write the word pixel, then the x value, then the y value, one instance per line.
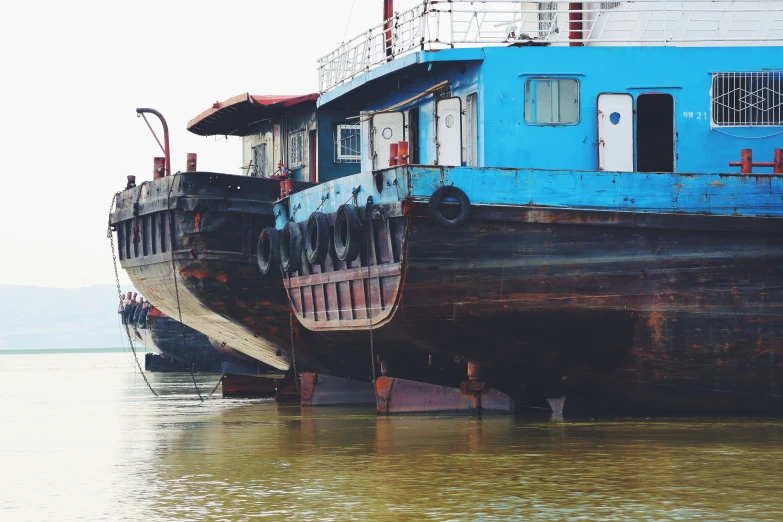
pixel 443 93
pixel 551 101
pixel 296 149
pixel 348 144
pixel 259 161
pixel 747 99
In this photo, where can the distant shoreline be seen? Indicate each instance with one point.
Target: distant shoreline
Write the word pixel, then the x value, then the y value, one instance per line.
pixel 43 351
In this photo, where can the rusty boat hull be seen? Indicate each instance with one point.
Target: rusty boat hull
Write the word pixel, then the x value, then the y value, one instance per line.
pixel 620 310
pixel 209 223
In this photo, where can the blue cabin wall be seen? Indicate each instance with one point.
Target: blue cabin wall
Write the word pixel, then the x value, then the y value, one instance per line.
pixel 328 167
pixel 499 74
pixel 685 73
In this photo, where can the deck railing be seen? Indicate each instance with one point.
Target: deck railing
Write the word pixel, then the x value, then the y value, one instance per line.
pixel 440 24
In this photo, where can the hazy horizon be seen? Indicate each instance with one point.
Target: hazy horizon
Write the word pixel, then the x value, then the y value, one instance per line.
pixel 35 318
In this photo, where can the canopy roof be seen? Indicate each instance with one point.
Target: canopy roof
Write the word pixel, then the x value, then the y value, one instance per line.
pixel 235 115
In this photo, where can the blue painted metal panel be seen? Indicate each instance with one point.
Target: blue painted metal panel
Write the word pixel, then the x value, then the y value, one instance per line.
pixel 507 140
pixel 711 193
pixel 403 62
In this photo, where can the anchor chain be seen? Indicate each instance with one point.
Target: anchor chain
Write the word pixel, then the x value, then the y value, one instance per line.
pixel 110 236
pixel 291 327
pixel 293 351
pixel 371 253
pixel 176 290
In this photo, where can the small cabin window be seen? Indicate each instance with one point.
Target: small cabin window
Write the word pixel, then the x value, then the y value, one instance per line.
pixel 348 144
pixel 296 149
pixel 747 99
pixel 551 101
pixel 259 161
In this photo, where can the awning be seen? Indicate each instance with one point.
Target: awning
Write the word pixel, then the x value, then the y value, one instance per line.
pixel 233 116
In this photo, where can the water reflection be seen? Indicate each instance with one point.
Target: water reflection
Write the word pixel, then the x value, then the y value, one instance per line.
pixel 89 441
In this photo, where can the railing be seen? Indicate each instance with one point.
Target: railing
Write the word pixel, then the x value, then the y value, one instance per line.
pixel 440 24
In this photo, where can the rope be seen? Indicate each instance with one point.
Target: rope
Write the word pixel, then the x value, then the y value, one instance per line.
pixel 176 290
pixel 110 236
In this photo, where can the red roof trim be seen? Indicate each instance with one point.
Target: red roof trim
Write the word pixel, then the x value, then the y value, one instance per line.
pixel 231 115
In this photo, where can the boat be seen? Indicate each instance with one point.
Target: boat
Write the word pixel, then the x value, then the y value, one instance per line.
pixel 188 240
pixel 182 347
pixel 572 196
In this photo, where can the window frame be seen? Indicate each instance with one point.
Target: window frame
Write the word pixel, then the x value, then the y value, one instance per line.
pixel 530 79
pixel 339 157
pixel 301 163
pixel 259 172
pixel 749 76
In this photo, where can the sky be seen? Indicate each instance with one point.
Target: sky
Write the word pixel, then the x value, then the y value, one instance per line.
pixel 73 74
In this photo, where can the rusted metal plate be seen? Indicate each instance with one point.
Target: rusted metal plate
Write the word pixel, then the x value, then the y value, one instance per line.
pixel 336 296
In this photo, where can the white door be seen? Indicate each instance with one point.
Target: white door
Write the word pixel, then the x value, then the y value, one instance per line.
pixel 387 128
pixel 449 132
pixel 615 132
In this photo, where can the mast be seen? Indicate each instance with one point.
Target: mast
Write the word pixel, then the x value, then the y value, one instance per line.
pixel 388 13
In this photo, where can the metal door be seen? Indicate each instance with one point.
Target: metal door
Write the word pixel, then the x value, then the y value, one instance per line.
pixel 449 131
pixel 615 132
pixel 387 128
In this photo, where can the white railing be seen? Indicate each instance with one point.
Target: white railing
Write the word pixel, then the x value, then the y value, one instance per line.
pixel 440 24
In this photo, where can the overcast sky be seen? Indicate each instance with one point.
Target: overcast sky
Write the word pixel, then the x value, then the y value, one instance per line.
pixel 73 73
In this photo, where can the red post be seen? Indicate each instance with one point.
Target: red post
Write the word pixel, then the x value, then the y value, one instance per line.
pixel 159 169
pixel 191 162
pixel 165 146
pixel 393 151
pixel 575 24
pixel 388 13
pixel 402 151
pixel 778 161
pixel 747 161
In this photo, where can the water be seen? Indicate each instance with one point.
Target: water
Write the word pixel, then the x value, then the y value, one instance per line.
pixel 81 438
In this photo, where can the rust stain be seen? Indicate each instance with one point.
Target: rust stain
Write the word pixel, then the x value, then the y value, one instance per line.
pixel 717 183
pixel 655 322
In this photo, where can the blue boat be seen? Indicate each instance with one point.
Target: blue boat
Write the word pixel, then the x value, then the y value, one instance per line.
pixel 580 193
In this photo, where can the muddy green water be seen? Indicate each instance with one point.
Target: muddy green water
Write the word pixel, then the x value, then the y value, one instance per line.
pixel 81 438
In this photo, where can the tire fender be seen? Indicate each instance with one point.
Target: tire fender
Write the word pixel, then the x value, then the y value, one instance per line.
pixel 290 247
pixel 317 238
pixel 347 233
pixel 268 250
pixel 451 192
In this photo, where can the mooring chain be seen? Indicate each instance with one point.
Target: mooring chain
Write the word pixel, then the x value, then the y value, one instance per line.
pixel 371 247
pixel 110 236
pixel 291 326
pixel 293 351
pixel 176 291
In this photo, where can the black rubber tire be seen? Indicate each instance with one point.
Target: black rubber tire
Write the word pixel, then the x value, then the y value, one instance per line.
pixel 317 238
pixel 449 191
pixel 347 233
pixel 268 250
pixel 290 247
